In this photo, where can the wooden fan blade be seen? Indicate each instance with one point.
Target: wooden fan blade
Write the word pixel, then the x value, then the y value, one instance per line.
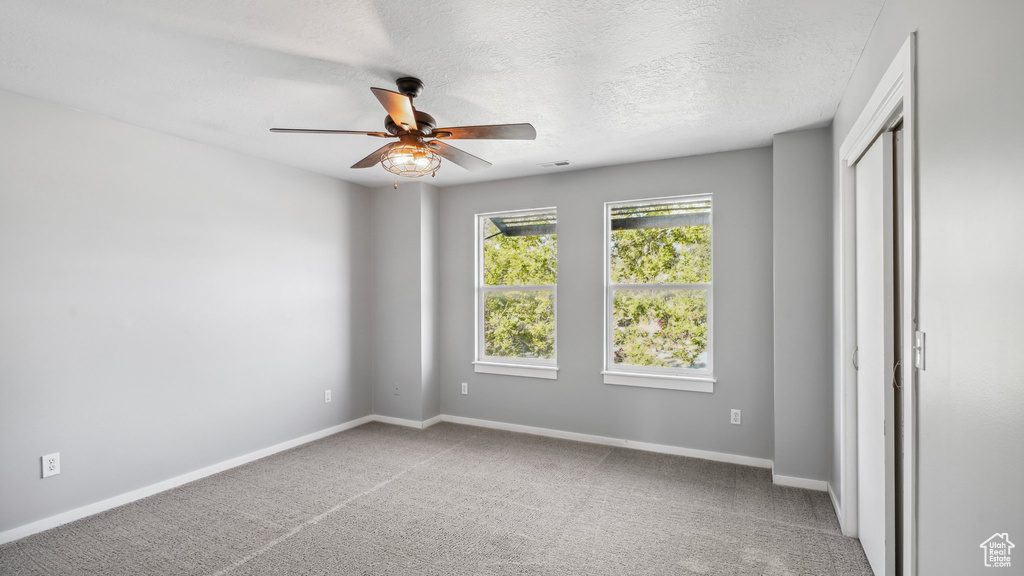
pixel 399 107
pixel 491 132
pixel 317 131
pixel 374 158
pixel 460 157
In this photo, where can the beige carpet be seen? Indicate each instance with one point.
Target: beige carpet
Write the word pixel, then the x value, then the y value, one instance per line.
pixel 460 500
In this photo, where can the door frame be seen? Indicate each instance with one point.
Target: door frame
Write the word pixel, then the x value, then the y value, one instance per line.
pixel 892 102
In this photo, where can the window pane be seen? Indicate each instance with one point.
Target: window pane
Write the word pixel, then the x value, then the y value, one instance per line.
pixel 520 250
pixel 667 328
pixel 661 243
pixel 519 324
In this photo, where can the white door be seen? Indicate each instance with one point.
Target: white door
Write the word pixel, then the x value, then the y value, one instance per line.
pixel 875 353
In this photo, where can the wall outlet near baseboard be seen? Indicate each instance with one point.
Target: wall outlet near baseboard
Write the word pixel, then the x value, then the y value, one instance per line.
pixel 396 390
pixel 51 464
pixel 734 418
pixel 327 396
pixel 465 388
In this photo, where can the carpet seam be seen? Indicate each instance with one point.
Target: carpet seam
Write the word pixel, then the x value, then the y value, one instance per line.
pixel 262 519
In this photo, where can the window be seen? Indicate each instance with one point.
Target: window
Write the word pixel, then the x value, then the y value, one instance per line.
pixel 658 286
pixel 517 273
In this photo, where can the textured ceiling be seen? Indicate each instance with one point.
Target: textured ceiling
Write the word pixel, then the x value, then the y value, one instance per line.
pixel 604 82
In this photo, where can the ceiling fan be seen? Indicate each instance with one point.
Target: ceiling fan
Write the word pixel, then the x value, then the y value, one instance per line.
pixel 420 146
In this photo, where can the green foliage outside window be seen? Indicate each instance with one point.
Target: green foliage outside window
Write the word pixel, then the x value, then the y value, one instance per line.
pixel 665 328
pixel 660 327
pixel 662 255
pixel 519 260
pixel 519 324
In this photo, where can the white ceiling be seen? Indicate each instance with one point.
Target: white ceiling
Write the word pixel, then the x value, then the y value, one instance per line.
pixel 604 82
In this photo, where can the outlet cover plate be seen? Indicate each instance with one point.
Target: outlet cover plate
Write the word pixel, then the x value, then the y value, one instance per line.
pixel 734 417
pixel 327 396
pixel 465 388
pixel 51 464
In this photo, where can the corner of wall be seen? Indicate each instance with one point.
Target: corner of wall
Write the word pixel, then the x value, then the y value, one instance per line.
pixel 801 241
pixel 406 301
pixel 430 300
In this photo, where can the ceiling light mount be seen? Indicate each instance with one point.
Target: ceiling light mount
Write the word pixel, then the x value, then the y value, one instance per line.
pixel 411 87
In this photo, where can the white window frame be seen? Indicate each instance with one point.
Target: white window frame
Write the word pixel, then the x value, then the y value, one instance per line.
pixel 525 367
pixel 689 379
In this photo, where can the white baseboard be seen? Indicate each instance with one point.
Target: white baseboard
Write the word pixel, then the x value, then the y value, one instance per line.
pixel 138 494
pixel 121 499
pixel 397 421
pixel 835 504
pixel 805 483
pixel 592 439
pixel 405 422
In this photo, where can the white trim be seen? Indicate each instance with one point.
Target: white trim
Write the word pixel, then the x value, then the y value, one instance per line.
pixel 835 504
pixel 406 422
pixel 146 491
pixel 398 421
pixel 795 482
pixel 606 441
pixel 664 381
pixel 519 212
pixel 891 102
pixel 656 286
pixel 878 114
pixel 524 370
pixel 519 288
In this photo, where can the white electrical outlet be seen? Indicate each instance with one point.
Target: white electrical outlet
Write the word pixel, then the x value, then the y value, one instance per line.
pixel 327 396
pixel 735 417
pixel 396 389
pixel 51 464
pixel 465 388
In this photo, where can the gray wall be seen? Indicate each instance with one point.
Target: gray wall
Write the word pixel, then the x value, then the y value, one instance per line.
pixel 578 400
pixel 971 269
pixel 406 323
pixel 164 306
pixel 801 231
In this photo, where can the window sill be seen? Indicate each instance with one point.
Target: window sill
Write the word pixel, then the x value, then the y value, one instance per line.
pixel 686 383
pixel 524 370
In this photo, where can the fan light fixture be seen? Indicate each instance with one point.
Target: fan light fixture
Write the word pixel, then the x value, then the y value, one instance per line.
pixel 410 160
pixel 420 144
